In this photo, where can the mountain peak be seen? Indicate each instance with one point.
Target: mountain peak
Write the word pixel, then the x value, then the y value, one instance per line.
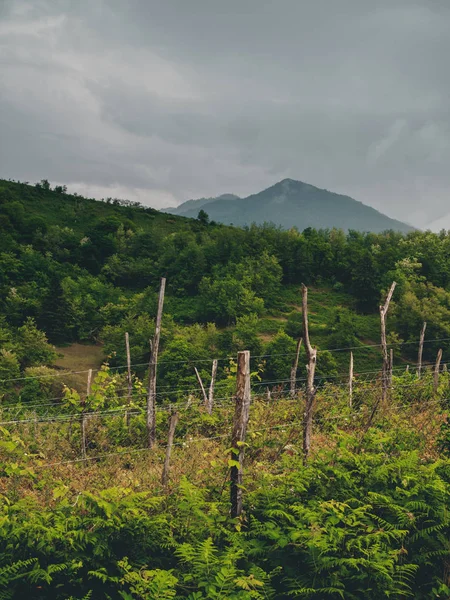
pixel 291 203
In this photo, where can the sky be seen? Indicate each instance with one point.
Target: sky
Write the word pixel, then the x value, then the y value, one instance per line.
pixel 163 101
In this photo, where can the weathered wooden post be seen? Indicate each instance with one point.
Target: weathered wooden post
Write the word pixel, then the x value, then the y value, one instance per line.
pixel 437 368
pixel 129 380
pixel 421 341
pixel 386 362
pixel 211 386
pixel 240 421
pixel 166 468
pixel 391 365
pixel 350 382
pixel 202 387
pixel 83 415
pixel 151 396
pixel 294 369
pixel 311 355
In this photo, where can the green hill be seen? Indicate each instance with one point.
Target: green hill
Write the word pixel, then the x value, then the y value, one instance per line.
pixel 83 271
pixel 292 203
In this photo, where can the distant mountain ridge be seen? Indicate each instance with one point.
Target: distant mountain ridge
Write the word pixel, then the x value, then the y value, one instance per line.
pixel 195 205
pixel 291 203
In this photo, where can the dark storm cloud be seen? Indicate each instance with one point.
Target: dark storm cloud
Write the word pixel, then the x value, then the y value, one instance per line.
pixel 163 101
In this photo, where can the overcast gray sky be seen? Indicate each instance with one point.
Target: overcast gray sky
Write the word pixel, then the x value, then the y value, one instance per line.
pixel 165 100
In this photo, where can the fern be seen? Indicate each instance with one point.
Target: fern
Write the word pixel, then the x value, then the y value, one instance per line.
pixel 13 572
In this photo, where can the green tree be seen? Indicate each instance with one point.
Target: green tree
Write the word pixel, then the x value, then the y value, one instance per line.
pixel 245 335
pixel 32 347
pixel 203 217
pixel 226 298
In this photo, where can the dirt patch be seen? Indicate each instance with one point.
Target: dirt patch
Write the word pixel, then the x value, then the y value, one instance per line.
pixel 77 359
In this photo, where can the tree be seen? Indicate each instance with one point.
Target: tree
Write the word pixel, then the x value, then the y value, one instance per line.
pixel 225 299
pixel 32 347
pixel 245 335
pixel 343 329
pixel 203 217
pixel 280 354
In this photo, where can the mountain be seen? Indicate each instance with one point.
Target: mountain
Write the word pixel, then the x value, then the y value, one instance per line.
pixel 193 206
pixel 438 224
pixel 293 203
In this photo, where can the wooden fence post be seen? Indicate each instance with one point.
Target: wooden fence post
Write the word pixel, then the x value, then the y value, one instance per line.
pixel 391 365
pixel 386 362
pixel 436 370
pixel 240 421
pixel 294 369
pixel 385 368
pixel 172 426
pixel 350 382
pixel 151 396
pixel 202 387
pixel 83 416
pixel 129 380
pixel 311 355
pixel 211 386
pixel 419 358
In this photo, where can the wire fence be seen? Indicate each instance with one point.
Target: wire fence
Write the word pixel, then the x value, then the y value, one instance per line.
pixel 121 430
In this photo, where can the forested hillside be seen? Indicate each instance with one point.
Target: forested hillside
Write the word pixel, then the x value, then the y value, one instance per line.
pixel 87 271
pixel 88 510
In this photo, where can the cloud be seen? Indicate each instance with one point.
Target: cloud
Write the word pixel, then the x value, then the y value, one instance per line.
pixel 165 101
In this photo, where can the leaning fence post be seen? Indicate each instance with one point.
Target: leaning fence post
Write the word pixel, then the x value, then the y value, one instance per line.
pixel 391 365
pixel 385 368
pixel 211 386
pixel 419 358
pixel 386 362
pixel 311 355
pixel 437 367
pixel 294 368
pixel 172 426
pixel 129 380
pixel 83 415
pixel 151 396
pixel 240 421
pixel 350 382
pixel 202 387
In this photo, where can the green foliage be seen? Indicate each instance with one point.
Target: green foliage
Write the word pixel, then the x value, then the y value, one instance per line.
pixel 343 329
pixel 32 346
pixel 281 352
pixel 226 298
